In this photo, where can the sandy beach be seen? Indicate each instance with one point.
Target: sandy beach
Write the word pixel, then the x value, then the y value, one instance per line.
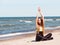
pixel 29 39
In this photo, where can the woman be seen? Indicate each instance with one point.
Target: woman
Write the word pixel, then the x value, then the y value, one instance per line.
pixel 40 28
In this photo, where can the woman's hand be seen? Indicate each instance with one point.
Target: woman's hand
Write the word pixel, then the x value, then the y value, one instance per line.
pixel 39 10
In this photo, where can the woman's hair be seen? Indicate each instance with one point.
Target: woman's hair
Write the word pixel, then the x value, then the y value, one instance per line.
pixel 39 17
pixel 41 24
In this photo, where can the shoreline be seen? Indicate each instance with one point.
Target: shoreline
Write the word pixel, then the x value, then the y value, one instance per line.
pixel 22 36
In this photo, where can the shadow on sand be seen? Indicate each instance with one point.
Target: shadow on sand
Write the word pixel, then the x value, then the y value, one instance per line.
pixel 41 40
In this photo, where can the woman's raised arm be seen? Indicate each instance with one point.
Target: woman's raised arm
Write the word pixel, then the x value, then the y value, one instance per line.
pixel 42 18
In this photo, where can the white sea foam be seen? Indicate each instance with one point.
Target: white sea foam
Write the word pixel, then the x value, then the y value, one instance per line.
pixel 21 20
pixel 27 21
pixel 48 19
pixel 57 19
pixel 15 34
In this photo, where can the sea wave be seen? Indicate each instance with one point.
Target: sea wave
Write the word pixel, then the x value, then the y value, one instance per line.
pixel 21 33
pixel 52 28
pixel 21 20
pixel 52 19
pixel 26 21
pixel 57 19
pixel 1 25
pixel 31 31
pixel 48 19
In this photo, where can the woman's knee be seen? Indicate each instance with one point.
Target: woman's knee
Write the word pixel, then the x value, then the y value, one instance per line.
pixel 50 34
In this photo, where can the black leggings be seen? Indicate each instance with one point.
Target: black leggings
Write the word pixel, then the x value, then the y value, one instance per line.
pixel 40 37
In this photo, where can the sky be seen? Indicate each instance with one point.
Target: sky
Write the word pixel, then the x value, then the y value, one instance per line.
pixel 27 8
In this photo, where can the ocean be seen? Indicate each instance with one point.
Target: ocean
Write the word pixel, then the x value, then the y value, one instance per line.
pixel 9 25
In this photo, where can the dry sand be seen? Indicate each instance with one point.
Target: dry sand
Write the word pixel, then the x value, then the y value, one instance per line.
pixel 30 40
